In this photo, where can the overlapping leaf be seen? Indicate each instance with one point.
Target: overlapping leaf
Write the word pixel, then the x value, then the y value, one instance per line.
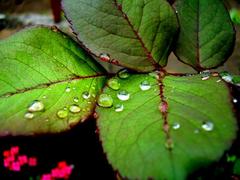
pixel 135 34
pixel 45 79
pixel 167 136
pixel 206 36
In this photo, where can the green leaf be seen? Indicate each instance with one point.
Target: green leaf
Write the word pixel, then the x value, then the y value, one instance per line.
pixel 167 136
pixel 236 168
pixel 43 75
pixel 131 33
pixel 235 15
pixel 206 36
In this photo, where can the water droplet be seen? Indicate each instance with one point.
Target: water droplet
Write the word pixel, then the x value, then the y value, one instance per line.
pixel 163 107
pixel 235 100
pixel 68 89
pixel 145 85
pixel 208 126
pixel 105 57
pixel 226 76
pixel 219 80
pixel 74 108
pixel 62 113
pixel 123 74
pixel 29 115
pixel 114 84
pixel 176 11
pixel 44 97
pixel 36 106
pixel 176 126
pixel 105 100
pixel 118 107
pixel 123 95
pixel 86 95
pixel 205 75
pixel 75 99
pixel 196 131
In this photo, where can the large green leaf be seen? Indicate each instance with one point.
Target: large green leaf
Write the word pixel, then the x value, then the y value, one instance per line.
pixel 189 125
pixel 43 67
pixel 132 33
pixel 206 36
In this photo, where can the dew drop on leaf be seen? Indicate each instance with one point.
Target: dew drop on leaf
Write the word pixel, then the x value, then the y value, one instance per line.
pixel 29 115
pixel 114 84
pixel 86 95
pixel 226 76
pixel 123 95
pixel 74 108
pixel 36 106
pixel 105 57
pixel 118 107
pixel 208 126
pixel 105 100
pixel 75 99
pixel 123 74
pixel 68 89
pixel 62 113
pixel 176 126
pixel 205 75
pixel 44 97
pixel 145 85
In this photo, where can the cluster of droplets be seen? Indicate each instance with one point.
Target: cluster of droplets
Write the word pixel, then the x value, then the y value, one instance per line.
pixel 105 100
pixel 35 106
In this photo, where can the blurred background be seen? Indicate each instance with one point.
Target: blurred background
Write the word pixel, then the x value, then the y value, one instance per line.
pixel 79 147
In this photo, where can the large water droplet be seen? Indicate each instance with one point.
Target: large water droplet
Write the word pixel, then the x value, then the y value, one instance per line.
pixel 208 126
pixel 75 99
pixel 123 95
pixel 86 95
pixel 74 108
pixel 63 113
pixel 105 57
pixel 123 74
pixel 145 85
pixel 29 115
pixel 226 76
pixel 36 106
pixel 105 100
pixel 68 89
pixel 176 126
pixel 118 107
pixel 114 84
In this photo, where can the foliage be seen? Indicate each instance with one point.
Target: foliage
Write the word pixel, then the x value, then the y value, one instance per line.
pixel 152 124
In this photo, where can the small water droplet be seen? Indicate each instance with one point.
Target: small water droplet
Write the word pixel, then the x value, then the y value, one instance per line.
pixel 86 95
pixel 176 11
pixel 75 99
pixel 118 107
pixel 208 126
pixel 219 80
pixel 74 108
pixel 123 74
pixel 114 84
pixel 205 75
pixel 196 131
pixel 176 126
pixel 226 76
pixel 235 100
pixel 29 115
pixel 105 100
pixel 63 113
pixel 44 97
pixel 104 57
pixel 145 85
pixel 163 107
pixel 123 95
pixel 36 106
pixel 74 88
pixel 68 89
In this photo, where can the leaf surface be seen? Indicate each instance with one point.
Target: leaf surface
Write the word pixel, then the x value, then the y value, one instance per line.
pixel 206 36
pixel 42 78
pixel 195 126
pixel 135 34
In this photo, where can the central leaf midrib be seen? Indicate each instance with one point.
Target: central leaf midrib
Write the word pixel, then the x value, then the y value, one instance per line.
pixel 47 84
pixel 148 53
